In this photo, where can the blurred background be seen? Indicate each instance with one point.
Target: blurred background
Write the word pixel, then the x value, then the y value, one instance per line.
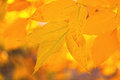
pixel 17 61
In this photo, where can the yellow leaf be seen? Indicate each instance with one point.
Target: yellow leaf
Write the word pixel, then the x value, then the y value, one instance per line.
pixel 77 21
pixel 92 2
pixel 50 31
pixel 78 18
pixel 81 50
pixel 101 22
pixel 54 11
pixel 48 48
pixel 104 46
pixel 99 3
pixel 58 61
pixel 75 41
pixel 50 38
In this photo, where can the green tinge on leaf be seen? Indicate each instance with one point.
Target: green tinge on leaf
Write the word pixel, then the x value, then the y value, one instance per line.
pixel 42 58
pixel 45 33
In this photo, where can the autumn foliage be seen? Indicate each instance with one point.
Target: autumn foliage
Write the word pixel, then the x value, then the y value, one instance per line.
pixel 87 29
